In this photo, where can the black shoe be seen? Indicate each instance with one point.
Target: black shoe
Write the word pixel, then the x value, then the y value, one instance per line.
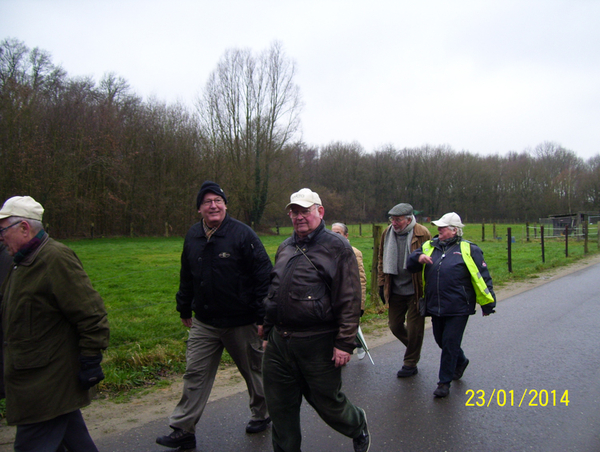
pixel 442 390
pixel 407 371
pixel 362 442
pixel 258 426
pixel 460 370
pixel 178 438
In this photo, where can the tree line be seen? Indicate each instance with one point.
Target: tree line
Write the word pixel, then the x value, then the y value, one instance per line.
pixel 99 157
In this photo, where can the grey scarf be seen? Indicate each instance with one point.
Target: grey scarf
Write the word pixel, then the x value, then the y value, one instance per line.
pixel 390 248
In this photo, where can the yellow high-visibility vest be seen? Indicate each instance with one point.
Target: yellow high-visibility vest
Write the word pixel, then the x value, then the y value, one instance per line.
pixel 483 294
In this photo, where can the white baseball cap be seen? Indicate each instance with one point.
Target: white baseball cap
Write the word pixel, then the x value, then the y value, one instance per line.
pixel 304 198
pixel 22 206
pixel 449 219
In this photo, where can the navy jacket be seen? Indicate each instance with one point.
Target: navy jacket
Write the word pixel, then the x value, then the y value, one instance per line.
pixel 448 287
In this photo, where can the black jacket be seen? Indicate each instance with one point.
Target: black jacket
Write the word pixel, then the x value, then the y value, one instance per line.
pixel 316 296
pixel 225 279
pixel 448 287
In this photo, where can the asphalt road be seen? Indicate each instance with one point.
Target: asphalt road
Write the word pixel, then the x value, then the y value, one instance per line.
pixel 539 346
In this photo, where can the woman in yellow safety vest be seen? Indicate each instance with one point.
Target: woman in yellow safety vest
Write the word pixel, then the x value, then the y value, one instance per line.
pixel 455 278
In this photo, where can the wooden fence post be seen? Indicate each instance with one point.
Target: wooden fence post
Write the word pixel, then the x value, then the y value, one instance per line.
pixel 567 241
pixel 542 240
pixel 585 234
pixel 509 232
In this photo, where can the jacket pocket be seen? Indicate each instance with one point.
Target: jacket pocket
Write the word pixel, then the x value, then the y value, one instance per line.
pixel 29 355
pixel 311 304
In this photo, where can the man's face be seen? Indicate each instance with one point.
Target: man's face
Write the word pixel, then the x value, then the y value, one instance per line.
pixel 305 219
pixel 213 209
pixel 399 223
pixel 13 236
pixel 339 230
pixel 446 232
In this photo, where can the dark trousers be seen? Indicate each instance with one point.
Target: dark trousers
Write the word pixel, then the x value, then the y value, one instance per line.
pixel 296 367
pixel 403 309
pixel 448 334
pixel 68 430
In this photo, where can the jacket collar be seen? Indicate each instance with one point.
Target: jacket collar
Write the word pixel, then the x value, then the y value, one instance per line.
pixel 297 239
pixel 220 230
pixel 29 255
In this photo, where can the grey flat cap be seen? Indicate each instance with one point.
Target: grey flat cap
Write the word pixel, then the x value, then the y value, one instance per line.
pixel 401 209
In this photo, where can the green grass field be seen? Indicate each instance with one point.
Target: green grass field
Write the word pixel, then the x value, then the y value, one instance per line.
pixel 138 279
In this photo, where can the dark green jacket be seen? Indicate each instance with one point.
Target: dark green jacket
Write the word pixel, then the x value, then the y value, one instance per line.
pixel 51 315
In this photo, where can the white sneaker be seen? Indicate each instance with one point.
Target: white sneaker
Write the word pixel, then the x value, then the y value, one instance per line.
pixel 361 352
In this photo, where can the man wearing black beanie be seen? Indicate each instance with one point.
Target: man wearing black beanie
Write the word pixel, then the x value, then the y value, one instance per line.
pixel 224 278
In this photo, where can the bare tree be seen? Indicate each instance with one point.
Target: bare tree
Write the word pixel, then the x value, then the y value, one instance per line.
pixel 249 113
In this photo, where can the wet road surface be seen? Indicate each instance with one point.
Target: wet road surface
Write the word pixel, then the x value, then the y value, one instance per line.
pixel 538 345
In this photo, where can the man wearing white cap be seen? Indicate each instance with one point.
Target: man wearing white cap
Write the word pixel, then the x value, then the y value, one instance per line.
pixel 311 320
pixel 455 278
pixel 55 327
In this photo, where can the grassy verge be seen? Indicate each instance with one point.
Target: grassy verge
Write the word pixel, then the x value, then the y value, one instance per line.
pixel 138 279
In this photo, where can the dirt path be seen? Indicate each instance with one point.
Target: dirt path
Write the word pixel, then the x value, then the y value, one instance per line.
pixel 105 417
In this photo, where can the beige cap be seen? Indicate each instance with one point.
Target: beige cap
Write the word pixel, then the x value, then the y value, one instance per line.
pixel 22 206
pixel 449 219
pixel 304 198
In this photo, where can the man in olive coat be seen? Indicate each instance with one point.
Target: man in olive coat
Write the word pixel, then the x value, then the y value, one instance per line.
pixel 400 288
pixel 55 327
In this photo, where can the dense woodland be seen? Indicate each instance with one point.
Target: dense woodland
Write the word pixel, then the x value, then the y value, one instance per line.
pixel 95 153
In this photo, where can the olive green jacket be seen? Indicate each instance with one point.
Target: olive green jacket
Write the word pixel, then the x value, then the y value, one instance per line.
pixel 51 315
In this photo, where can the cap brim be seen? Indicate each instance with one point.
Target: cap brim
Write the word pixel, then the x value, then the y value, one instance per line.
pixel 301 204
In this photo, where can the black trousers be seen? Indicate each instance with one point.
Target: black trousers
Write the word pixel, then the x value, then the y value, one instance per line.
pixel 448 333
pixel 68 430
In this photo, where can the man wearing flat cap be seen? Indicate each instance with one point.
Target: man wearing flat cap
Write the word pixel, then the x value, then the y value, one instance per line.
pixel 311 320
pixel 399 287
pixel 55 327
pixel 223 280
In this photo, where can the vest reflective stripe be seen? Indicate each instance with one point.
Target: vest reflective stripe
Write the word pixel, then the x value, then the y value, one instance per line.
pixel 482 292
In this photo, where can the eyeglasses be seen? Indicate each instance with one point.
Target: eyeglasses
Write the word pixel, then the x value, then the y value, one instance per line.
pixel 302 213
pixel 217 201
pixel 3 230
pixel 396 219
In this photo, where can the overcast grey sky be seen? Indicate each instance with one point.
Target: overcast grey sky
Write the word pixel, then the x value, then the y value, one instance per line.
pixel 481 76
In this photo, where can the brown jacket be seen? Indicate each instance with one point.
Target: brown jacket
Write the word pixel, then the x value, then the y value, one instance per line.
pixel 420 235
pixel 315 288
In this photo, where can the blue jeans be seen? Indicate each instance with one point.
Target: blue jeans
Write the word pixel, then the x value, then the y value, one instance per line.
pixel 296 367
pixel 448 333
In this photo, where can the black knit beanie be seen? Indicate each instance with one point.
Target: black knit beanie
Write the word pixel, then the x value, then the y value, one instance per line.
pixel 209 186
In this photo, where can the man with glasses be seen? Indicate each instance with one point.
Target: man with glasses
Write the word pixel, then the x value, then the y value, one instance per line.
pixel 223 280
pixel 400 288
pixel 55 327
pixel 311 320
